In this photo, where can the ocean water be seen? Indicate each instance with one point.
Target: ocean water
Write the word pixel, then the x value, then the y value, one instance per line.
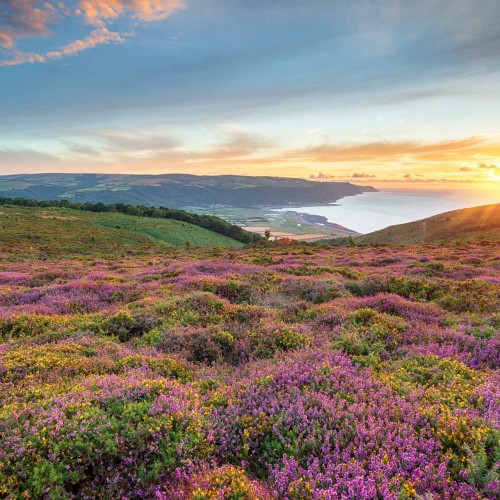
pixel 372 211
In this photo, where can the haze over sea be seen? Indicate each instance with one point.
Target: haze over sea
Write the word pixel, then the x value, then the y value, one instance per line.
pixel 373 211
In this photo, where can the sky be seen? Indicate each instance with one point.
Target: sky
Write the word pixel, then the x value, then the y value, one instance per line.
pixel 378 92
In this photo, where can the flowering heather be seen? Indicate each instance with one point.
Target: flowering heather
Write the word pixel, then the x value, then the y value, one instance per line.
pixel 282 372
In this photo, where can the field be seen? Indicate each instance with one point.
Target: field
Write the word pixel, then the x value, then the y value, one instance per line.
pixel 289 372
pixel 282 224
pixel 54 231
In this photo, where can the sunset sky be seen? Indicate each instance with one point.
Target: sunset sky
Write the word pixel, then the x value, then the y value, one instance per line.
pixel 374 91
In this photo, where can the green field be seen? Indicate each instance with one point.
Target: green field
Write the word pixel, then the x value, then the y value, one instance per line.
pixel 287 222
pixel 57 231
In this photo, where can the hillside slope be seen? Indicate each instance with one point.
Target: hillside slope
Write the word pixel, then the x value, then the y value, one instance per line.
pixel 177 190
pixel 458 225
pixel 54 231
pixel 280 371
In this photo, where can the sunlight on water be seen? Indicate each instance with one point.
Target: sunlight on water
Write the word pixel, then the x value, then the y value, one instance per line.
pixel 372 211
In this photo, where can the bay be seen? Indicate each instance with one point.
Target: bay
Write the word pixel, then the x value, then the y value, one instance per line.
pixel 372 211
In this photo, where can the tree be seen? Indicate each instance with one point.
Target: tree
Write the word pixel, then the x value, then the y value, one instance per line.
pixel 132 210
pixel 267 234
pixel 351 242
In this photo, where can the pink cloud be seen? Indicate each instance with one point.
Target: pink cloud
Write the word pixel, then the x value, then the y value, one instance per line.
pixel 32 18
pixel 97 37
pixel 100 36
pixel 28 18
pixel 99 11
pixel 20 57
pixel 6 40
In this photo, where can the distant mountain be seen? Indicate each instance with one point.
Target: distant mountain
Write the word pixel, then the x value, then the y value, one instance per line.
pixel 458 225
pixel 178 190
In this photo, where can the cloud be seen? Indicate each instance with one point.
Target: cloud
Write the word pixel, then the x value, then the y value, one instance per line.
pixel 28 159
pixel 6 40
pixel 20 57
pixel 363 176
pixel 321 175
pixel 234 149
pixel 134 141
pixel 160 145
pixel 99 11
pixel 33 18
pixel 238 143
pixel 27 18
pixel 97 37
pixel 398 151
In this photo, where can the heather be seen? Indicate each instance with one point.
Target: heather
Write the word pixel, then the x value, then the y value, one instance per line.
pixel 279 371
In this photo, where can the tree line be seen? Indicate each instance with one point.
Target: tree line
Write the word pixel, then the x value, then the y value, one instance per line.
pixel 210 222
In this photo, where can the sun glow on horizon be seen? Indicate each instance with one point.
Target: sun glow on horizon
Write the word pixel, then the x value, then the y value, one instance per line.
pixel 220 87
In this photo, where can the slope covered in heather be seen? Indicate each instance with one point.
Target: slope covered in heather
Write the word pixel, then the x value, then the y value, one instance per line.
pixel 279 371
pixel 459 225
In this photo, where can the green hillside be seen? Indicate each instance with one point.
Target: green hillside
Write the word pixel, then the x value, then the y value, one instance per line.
pixel 459 225
pixel 55 231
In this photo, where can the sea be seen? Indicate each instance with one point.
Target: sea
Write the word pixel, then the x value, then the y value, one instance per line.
pixel 372 211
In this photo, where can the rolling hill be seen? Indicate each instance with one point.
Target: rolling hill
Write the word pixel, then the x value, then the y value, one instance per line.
pixel 177 190
pixel 270 372
pixel 55 231
pixel 458 225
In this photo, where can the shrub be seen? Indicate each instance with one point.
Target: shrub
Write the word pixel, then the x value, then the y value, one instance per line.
pixel 371 285
pixel 278 337
pixel 483 465
pixel 226 482
pixel 112 444
pixel 312 290
pixel 414 288
pixel 126 325
pixel 198 308
pixel 471 296
pixel 210 345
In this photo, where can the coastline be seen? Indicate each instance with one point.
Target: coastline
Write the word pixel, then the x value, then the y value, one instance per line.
pixel 322 221
pixel 387 207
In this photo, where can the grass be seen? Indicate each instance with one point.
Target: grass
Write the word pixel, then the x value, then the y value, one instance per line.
pixel 34 232
pixel 459 225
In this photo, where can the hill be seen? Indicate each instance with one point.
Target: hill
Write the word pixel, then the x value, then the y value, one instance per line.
pixel 278 371
pixel 205 221
pixel 56 231
pixel 457 225
pixel 177 190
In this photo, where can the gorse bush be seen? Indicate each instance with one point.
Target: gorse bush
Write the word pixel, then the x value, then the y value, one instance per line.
pixel 471 296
